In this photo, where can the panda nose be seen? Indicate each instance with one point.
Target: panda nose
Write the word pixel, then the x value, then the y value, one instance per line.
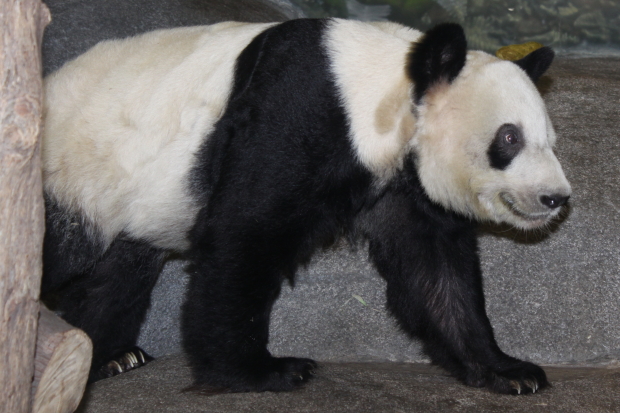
pixel 553 201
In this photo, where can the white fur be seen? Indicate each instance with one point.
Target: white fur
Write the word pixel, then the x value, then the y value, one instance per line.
pixel 368 62
pixel 124 120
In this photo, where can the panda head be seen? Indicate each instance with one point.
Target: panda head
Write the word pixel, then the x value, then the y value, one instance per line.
pixel 484 139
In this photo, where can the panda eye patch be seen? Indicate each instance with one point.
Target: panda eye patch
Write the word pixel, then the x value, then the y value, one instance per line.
pixel 506 145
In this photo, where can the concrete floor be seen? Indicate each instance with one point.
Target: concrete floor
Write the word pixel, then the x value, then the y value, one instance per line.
pixel 354 387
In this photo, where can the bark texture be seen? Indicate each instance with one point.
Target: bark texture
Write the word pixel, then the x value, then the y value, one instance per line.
pixel 21 202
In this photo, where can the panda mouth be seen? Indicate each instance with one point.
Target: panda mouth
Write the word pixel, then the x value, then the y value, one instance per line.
pixel 511 204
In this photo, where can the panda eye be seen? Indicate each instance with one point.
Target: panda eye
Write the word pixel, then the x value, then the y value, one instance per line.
pixel 511 138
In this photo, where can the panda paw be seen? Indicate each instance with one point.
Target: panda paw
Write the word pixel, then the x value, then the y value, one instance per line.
pixel 277 374
pixel 274 374
pixel 123 362
pixel 517 379
pixel 289 373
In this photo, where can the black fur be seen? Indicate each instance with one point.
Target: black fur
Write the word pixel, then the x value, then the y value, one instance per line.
pixel 506 145
pixel 280 179
pixel 438 57
pixel 536 63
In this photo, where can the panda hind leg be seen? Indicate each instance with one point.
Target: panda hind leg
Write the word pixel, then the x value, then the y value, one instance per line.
pixel 109 302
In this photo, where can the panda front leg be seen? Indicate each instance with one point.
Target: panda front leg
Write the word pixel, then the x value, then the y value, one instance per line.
pixel 234 281
pixel 430 260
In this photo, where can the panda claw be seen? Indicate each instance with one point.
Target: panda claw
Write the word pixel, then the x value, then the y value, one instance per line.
pixel 116 365
pixel 134 359
pixel 532 384
pixel 144 358
pixel 126 362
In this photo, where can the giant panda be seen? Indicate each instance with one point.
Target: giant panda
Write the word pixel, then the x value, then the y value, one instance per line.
pixel 246 147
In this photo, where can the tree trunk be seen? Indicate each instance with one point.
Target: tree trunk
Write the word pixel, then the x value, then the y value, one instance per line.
pixel 21 203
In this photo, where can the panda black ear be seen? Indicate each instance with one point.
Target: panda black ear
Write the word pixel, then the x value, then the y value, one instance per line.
pixel 536 63
pixel 439 56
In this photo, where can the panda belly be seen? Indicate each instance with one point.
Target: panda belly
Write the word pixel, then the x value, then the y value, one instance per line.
pixel 119 150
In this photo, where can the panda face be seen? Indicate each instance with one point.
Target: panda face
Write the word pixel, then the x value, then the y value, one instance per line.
pixel 484 146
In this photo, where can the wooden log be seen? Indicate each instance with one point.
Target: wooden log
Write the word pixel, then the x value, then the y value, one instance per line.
pixel 21 202
pixel 61 365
